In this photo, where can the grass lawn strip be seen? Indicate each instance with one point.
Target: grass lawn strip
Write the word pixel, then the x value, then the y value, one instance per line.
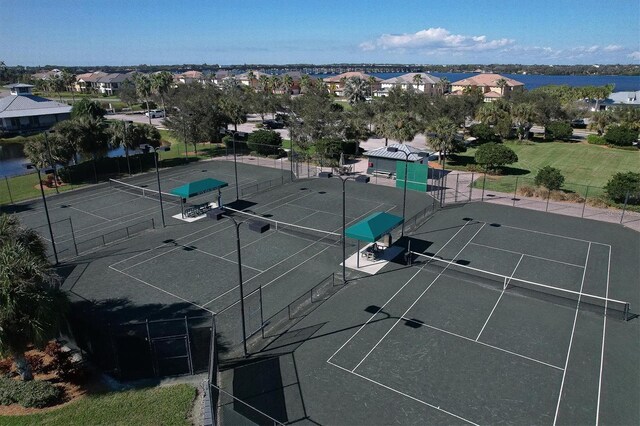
pixel 170 405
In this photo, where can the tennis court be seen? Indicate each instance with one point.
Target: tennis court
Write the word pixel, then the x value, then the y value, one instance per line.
pixel 495 322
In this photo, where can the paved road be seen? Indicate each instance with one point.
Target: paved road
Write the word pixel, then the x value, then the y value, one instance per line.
pixel 137 118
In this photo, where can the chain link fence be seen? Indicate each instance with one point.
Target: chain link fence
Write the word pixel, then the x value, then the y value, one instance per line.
pixel 585 201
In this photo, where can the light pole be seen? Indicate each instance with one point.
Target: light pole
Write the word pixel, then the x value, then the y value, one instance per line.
pixel 233 134
pixel 46 210
pixel 126 124
pixel 146 148
pixel 359 179
pixel 404 195
pixel 240 284
pixel 55 174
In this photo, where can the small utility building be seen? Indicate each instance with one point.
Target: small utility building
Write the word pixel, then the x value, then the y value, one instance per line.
pixel 385 160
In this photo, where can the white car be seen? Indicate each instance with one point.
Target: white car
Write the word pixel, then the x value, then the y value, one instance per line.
pixel 155 113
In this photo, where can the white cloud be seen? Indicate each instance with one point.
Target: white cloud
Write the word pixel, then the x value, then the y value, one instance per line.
pixel 634 55
pixel 439 39
pixel 612 48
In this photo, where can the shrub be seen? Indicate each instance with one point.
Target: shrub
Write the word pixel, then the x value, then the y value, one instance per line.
pixel 557 196
pixel 63 363
pixel 598 202
pixel 34 393
pixel 36 362
pixel 483 132
pixel 492 156
pixel 527 191
pixel 574 198
pixel 264 142
pixel 542 192
pixel 560 130
pixel 596 140
pixel 621 135
pixel 622 184
pixel 550 178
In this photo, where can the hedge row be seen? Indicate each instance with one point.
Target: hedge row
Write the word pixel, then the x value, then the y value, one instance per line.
pixel 34 393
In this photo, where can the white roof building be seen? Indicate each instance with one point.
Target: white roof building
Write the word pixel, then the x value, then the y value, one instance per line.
pixel 22 111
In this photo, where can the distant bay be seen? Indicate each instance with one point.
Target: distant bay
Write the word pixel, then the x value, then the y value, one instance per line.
pixel 622 83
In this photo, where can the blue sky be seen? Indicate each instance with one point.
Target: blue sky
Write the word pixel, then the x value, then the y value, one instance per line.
pixel 115 32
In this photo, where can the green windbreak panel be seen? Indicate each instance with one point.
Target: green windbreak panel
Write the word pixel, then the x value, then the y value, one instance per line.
pixel 416 176
pixel 373 227
pixel 198 187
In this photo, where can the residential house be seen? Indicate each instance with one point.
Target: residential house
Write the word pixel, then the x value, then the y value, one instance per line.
pixel 220 76
pixel 188 77
pixel 251 78
pixel 492 86
pixel 88 82
pixel 336 83
pixel 382 161
pixel 625 98
pixel 47 75
pixel 425 83
pixel 22 111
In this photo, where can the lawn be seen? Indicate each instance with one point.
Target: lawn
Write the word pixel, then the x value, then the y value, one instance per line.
pixel 170 405
pixel 580 163
pixel 25 187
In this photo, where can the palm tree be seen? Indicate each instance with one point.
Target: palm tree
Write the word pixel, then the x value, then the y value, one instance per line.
pixel 275 82
pixel 442 85
pixel 31 310
pixel 441 136
pixel 501 83
pixel 69 81
pixel 523 116
pixel 119 135
pixel 160 84
pixel 355 90
pixel 264 84
pixel 600 120
pixel 143 88
pixel 372 83
pixel 489 113
pixel 417 80
pixel 305 81
pixel 287 83
pixel 251 78
pixel 400 126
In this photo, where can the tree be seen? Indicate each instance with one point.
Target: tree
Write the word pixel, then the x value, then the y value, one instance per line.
pixel 355 90
pixel 441 134
pixel 621 135
pixel 86 107
pixel 234 104
pixel 88 137
pixel 558 130
pixel 600 120
pixel 119 134
pixel 127 93
pixel 501 83
pixel 492 156
pixel 523 116
pixel 161 83
pixel 265 142
pixel 143 88
pixel 58 151
pixel 490 113
pixel 304 82
pixel 372 81
pixel 442 85
pixel 287 83
pixel 31 309
pixel 549 177
pixel 69 83
pixel 483 132
pixel 417 81
pixel 623 184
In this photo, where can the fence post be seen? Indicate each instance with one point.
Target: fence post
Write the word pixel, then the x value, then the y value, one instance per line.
pixel 73 236
pixel 624 208
pixel 455 196
pixel 6 179
pixel 186 330
pixel 153 223
pixel 261 312
pixel 104 243
pixel 484 181
pixel 473 182
pixel 153 358
pixel 114 348
pixel 515 192
pixel 546 209
pixel 584 204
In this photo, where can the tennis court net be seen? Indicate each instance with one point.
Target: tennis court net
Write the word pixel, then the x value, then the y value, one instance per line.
pixel 299 231
pixel 591 302
pixel 143 192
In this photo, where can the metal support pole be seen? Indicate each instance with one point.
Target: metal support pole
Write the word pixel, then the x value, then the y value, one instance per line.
pixel 484 181
pixel 244 329
pixel 344 231
pixel 515 192
pixel 235 166
pixel 455 194
pixel 73 236
pixel 46 210
pixel 6 179
pixel 546 209
pixel 404 195
pixel 584 204
pixel 624 208
pixel 189 356
pixel 55 173
pixel 473 182
pixel 153 358
pixel 155 158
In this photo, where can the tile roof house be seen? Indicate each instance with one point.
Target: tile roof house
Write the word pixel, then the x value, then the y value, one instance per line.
pixel 189 77
pixel 253 82
pixel 493 86
pixel 22 111
pixel 426 83
pixel 336 83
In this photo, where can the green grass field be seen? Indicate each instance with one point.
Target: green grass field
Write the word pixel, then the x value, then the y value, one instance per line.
pixel 581 164
pixel 25 187
pixel 169 405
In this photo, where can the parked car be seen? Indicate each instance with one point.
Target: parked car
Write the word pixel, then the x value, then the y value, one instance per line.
pixel 155 113
pixel 578 123
pixel 273 124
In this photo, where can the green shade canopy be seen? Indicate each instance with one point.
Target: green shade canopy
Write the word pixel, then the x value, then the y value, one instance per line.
pixel 373 227
pixel 198 187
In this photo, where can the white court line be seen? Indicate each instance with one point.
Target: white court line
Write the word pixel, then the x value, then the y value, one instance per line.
pixel 573 329
pixel 498 348
pixel 394 295
pixel 221 258
pixel 553 235
pixel 504 288
pixel 162 290
pixel 192 233
pixel 283 260
pixel 528 255
pixel 417 299
pixel 403 394
pixel 604 332
pixel 89 213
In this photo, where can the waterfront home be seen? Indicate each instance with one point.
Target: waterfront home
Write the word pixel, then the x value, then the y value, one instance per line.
pixel 336 83
pixel 418 81
pixel 492 86
pixel 23 112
